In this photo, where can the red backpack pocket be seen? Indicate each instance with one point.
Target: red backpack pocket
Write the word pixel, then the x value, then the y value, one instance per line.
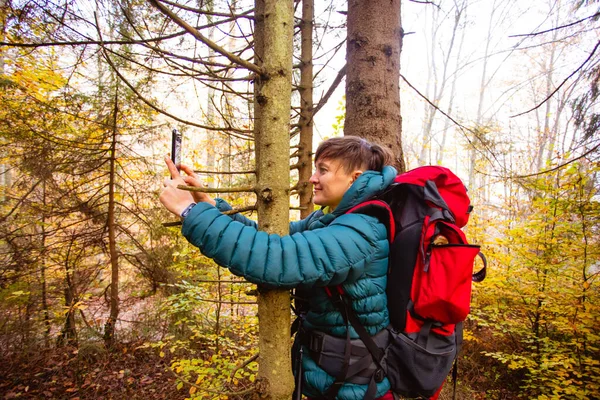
pixel 441 289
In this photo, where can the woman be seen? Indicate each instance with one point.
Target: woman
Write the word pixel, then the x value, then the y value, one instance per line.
pixel 330 247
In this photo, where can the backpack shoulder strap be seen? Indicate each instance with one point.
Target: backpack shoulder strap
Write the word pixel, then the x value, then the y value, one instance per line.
pixel 380 210
pixel 341 301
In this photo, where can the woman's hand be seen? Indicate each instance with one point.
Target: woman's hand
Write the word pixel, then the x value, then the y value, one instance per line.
pixel 177 200
pixel 192 180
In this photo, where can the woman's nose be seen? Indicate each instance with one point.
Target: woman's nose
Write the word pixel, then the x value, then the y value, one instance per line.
pixel 313 179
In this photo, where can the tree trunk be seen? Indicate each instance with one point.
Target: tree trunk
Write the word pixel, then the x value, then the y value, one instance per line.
pixel 218 310
pixel 68 334
pixel 45 311
pixel 548 132
pixel 450 109
pixel 475 141
pixel 439 84
pixel 109 328
pixel 372 80
pixel 210 107
pixel 5 171
pixel 431 92
pixel 306 109
pixel 274 30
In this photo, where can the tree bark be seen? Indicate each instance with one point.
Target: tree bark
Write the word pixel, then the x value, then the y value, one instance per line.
pixel 45 311
pixel 5 170
pixel 109 328
pixel 306 109
pixel 68 333
pixel 372 80
pixel 274 30
pixel 210 108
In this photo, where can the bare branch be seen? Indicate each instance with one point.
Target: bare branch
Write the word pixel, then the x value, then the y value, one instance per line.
pixel 243 282
pixel 161 111
pixel 21 200
pixel 455 122
pixel 224 172
pixel 240 210
pixel 593 149
pixel 562 83
pixel 194 32
pixel 243 365
pixel 171 224
pixel 224 302
pixel 556 28
pixel 97 42
pixel 240 189
pixel 245 14
pixel 336 82
pixel 424 2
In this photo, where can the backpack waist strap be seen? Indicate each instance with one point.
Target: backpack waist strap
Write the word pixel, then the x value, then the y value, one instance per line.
pixel 328 352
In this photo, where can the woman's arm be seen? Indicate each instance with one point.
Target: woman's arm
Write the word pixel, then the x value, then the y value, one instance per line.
pixel 223 206
pixel 321 257
pixel 177 200
pixel 295 226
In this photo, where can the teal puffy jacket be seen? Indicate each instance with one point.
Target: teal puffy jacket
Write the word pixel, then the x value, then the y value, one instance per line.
pixel 321 250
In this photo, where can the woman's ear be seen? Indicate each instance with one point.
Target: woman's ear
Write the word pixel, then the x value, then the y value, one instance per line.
pixel 356 174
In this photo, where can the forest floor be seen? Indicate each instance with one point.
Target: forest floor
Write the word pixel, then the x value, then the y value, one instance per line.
pixel 133 372
pixel 91 372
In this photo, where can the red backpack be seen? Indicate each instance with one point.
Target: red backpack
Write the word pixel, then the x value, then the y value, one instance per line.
pixel 429 279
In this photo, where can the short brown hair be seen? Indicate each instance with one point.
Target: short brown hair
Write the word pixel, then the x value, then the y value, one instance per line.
pixel 354 153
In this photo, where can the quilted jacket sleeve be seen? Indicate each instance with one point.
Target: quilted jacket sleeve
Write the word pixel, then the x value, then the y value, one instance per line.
pixel 320 257
pixel 222 205
pixel 295 226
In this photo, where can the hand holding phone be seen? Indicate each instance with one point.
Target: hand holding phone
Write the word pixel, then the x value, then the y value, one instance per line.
pixel 176 139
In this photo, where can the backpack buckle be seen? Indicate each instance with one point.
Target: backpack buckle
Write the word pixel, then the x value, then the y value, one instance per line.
pixel 315 342
pixel 379 375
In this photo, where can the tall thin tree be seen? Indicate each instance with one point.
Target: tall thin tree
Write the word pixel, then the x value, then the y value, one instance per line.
pixel 109 328
pixel 306 108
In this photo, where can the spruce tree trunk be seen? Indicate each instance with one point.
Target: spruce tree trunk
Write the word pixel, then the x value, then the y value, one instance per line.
pixel 274 30
pixel 306 109
pixel 372 79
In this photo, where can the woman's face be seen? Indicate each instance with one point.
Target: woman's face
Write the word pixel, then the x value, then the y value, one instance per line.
pixel 330 182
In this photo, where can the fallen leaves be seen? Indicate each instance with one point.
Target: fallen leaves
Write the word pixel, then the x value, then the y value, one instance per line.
pixel 60 374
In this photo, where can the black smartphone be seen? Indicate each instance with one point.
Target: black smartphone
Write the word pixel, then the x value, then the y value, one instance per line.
pixel 176 138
